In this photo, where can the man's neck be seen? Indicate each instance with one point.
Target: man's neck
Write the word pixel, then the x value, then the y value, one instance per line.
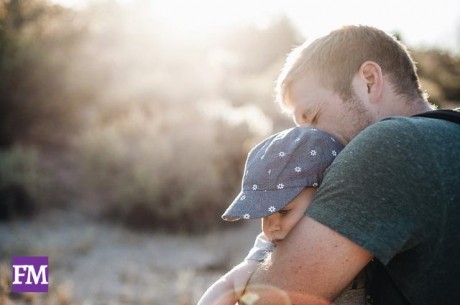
pixel 410 108
pixel 419 107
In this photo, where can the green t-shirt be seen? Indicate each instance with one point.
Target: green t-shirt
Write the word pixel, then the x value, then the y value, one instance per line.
pixel 395 191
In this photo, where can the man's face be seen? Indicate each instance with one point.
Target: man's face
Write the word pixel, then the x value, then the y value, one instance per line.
pixel 277 225
pixel 314 105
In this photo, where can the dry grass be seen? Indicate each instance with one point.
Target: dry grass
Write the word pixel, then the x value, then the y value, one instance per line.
pixel 59 294
pixel 93 263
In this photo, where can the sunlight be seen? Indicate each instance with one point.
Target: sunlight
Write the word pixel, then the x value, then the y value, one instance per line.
pixel 200 16
pixel 431 24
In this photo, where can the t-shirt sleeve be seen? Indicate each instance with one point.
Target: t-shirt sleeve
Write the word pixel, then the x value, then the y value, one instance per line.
pixel 375 192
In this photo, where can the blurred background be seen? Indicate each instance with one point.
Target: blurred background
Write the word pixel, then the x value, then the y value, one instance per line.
pixel 124 128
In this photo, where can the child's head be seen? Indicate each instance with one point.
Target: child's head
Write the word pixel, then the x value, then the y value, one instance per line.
pixel 280 177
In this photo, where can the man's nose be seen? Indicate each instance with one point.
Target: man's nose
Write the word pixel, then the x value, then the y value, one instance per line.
pixel 297 119
pixel 300 119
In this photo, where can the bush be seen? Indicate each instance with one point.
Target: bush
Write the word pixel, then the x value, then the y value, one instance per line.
pixel 177 170
pixel 23 186
pixel 38 41
pixel 440 76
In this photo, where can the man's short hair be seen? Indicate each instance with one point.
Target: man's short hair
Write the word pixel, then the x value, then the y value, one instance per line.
pixel 336 58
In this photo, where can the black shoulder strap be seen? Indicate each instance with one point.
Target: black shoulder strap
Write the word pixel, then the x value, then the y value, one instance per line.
pixel 442 114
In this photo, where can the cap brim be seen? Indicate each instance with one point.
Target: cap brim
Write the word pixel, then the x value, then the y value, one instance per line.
pixel 259 204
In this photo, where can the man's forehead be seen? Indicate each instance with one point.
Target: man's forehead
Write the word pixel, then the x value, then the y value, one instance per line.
pixel 295 102
pixel 302 87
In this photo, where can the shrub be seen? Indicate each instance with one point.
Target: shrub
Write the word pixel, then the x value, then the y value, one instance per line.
pixel 23 186
pixel 177 170
pixel 37 43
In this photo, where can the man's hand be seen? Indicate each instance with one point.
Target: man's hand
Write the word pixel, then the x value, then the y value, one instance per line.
pixel 311 266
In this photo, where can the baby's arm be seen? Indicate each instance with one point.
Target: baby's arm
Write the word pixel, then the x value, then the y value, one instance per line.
pixel 229 288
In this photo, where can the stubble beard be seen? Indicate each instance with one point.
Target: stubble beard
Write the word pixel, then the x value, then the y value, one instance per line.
pixel 359 118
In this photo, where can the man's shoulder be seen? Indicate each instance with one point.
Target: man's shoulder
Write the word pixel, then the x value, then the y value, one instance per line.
pixel 396 143
pixel 405 131
pixel 381 137
pixel 400 124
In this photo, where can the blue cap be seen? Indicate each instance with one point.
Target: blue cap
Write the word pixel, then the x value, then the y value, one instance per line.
pixel 279 168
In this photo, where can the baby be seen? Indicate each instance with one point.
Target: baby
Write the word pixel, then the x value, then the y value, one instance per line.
pixel 280 178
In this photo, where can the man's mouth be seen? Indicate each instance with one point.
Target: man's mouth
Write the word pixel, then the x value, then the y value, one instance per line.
pixel 277 240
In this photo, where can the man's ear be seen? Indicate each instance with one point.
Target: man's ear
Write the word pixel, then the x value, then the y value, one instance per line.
pixel 369 81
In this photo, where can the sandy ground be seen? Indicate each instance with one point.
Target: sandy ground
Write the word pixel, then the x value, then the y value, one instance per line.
pixel 101 263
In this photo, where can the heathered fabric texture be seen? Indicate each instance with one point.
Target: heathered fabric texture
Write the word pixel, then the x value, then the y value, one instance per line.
pixel 395 191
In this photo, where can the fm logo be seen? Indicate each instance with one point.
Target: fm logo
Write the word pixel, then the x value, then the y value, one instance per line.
pixel 30 274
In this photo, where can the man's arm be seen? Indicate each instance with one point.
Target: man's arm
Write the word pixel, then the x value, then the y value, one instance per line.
pixel 311 266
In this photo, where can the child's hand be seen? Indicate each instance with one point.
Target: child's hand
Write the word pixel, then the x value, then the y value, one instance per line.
pixel 242 275
pixel 229 288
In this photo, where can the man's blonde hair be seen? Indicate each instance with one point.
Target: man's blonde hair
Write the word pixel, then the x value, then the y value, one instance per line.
pixel 336 58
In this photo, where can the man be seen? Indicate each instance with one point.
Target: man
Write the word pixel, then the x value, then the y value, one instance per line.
pixel 393 193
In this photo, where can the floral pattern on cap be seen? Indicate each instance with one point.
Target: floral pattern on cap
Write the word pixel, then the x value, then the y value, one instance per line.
pixel 282 166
